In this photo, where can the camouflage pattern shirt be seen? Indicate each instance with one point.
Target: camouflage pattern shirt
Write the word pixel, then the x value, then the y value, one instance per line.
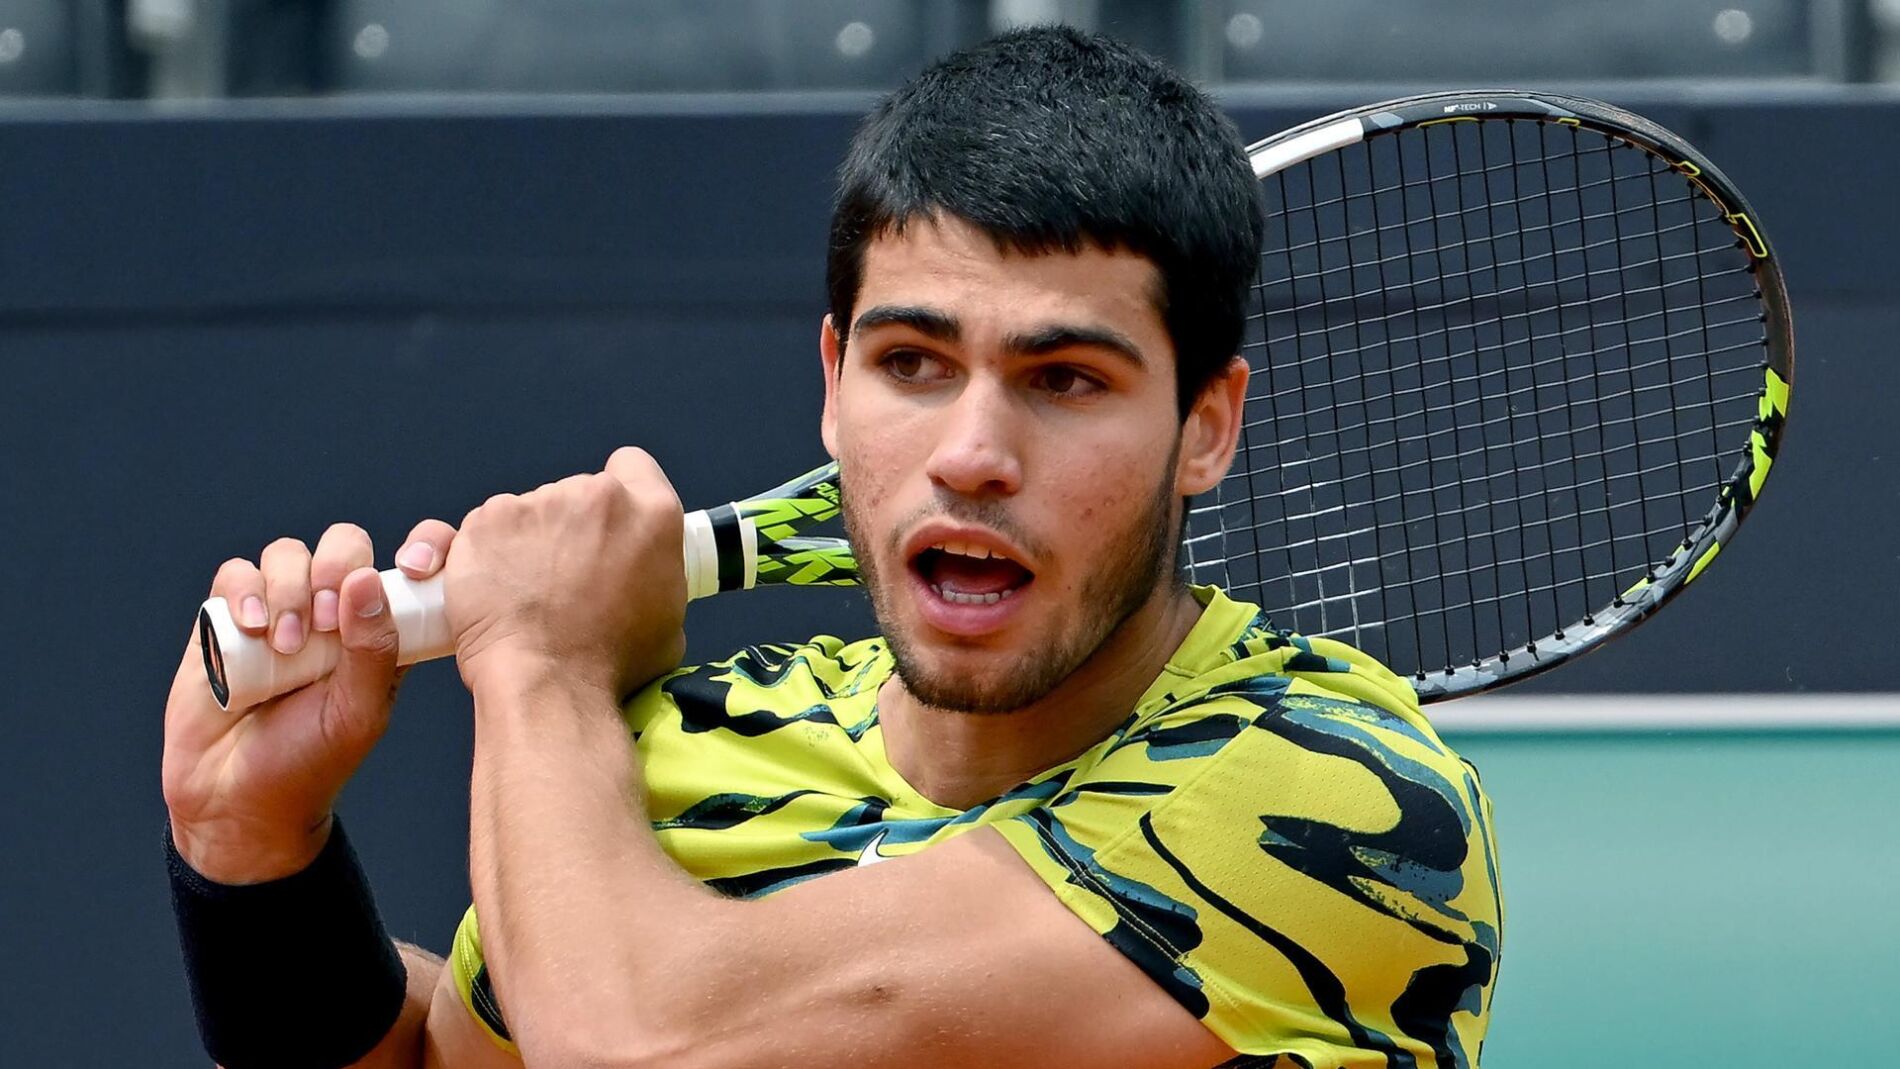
pixel 1275 834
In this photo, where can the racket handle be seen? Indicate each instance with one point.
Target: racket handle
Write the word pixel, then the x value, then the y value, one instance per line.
pixel 243 670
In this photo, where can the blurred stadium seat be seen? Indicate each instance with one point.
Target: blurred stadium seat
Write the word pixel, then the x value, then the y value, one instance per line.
pixel 597 46
pixel 39 48
pixel 66 48
pixel 1502 41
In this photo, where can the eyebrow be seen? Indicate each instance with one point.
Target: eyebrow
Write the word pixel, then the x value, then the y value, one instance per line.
pixel 925 321
pixel 1057 337
pixel 1039 342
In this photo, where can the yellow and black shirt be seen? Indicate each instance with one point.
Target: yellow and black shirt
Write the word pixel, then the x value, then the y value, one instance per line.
pixel 1275 834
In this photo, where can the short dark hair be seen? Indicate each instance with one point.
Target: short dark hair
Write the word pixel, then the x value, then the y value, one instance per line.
pixel 1052 139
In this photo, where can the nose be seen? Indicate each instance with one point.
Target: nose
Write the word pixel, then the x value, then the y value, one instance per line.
pixel 976 452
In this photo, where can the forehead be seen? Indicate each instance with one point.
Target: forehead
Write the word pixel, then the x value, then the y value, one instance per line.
pixel 944 263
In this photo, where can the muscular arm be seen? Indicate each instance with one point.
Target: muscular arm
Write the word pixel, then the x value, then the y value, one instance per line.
pixel 605 953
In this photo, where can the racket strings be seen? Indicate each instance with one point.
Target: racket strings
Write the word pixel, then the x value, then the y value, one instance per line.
pixel 1495 386
pixel 1555 469
pixel 1617 297
pixel 1456 380
pixel 1504 166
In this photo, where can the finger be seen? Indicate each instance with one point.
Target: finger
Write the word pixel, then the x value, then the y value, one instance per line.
pixel 343 548
pixel 286 567
pixel 241 585
pixel 636 469
pixel 425 549
pixel 364 682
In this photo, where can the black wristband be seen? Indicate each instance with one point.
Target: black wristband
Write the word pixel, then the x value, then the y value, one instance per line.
pixel 296 973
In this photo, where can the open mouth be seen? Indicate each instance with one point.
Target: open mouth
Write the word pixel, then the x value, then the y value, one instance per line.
pixel 967 574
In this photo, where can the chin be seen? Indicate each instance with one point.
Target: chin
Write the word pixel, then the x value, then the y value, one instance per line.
pixel 967 675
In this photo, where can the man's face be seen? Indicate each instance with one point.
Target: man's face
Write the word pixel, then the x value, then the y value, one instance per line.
pixel 1010 444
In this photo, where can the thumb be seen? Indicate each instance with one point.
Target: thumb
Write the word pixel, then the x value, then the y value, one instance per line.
pixel 363 685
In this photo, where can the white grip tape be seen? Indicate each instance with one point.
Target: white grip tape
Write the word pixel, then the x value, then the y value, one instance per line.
pixel 422 627
pixel 255 673
pixel 702 557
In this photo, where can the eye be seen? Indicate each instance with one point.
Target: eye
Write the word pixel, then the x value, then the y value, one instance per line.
pixel 913 366
pixel 1065 381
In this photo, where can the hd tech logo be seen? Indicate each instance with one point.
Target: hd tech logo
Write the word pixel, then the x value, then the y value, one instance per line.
pixel 1479 105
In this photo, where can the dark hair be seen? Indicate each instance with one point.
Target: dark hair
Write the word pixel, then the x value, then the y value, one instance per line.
pixel 1052 139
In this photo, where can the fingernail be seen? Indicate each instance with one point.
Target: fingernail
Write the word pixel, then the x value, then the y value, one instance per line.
pixel 323 610
pixel 288 637
pixel 253 611
pixel 372 607
pixel 417 556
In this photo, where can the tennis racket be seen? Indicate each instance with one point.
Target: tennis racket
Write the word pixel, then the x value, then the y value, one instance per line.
pixel 1522 364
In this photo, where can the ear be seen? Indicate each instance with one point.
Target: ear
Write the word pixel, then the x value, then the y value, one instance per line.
pixel 831 356
pixel 1212 428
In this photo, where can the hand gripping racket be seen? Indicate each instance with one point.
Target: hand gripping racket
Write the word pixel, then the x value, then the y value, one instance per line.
pixel 732 547
pixel 1521 362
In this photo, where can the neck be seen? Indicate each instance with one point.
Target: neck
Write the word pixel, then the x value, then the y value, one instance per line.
pixel 958 759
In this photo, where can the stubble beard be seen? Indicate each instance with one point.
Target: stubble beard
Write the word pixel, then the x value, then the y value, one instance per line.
pixel 1130 569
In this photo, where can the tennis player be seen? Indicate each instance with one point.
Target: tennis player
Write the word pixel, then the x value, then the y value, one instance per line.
pixel 1065 809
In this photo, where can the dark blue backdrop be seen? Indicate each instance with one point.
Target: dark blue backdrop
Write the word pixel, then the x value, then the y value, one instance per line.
pixel 219 325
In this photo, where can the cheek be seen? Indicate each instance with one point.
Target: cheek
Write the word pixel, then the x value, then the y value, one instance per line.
pixel 1098 498
pixel 878 444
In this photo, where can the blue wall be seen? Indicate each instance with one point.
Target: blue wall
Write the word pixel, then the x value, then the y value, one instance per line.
pixel 220 325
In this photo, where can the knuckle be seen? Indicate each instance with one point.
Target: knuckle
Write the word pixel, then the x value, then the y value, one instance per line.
pixel 345 533
pixel 631 456
pixel 342 547
pixel 277 580
pixel 235 578
pixel 377 642
pixel 657 498
pixel 585 492
pixel 286 546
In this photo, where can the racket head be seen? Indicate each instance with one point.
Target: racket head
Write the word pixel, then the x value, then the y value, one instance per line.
pixel 1521 367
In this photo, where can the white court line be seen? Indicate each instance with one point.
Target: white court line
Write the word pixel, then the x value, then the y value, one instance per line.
pixel 1508 714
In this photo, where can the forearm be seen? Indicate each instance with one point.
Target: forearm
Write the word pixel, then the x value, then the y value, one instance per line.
pixel 584 918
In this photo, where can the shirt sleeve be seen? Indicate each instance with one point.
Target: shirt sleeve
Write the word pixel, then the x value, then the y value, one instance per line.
pixel 470 973
pixel 1309 875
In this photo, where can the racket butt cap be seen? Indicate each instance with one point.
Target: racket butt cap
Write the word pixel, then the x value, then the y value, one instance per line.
pixel 238 666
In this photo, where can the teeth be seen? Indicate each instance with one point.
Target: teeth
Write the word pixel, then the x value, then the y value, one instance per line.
pixel 968 549
pixel 956 598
